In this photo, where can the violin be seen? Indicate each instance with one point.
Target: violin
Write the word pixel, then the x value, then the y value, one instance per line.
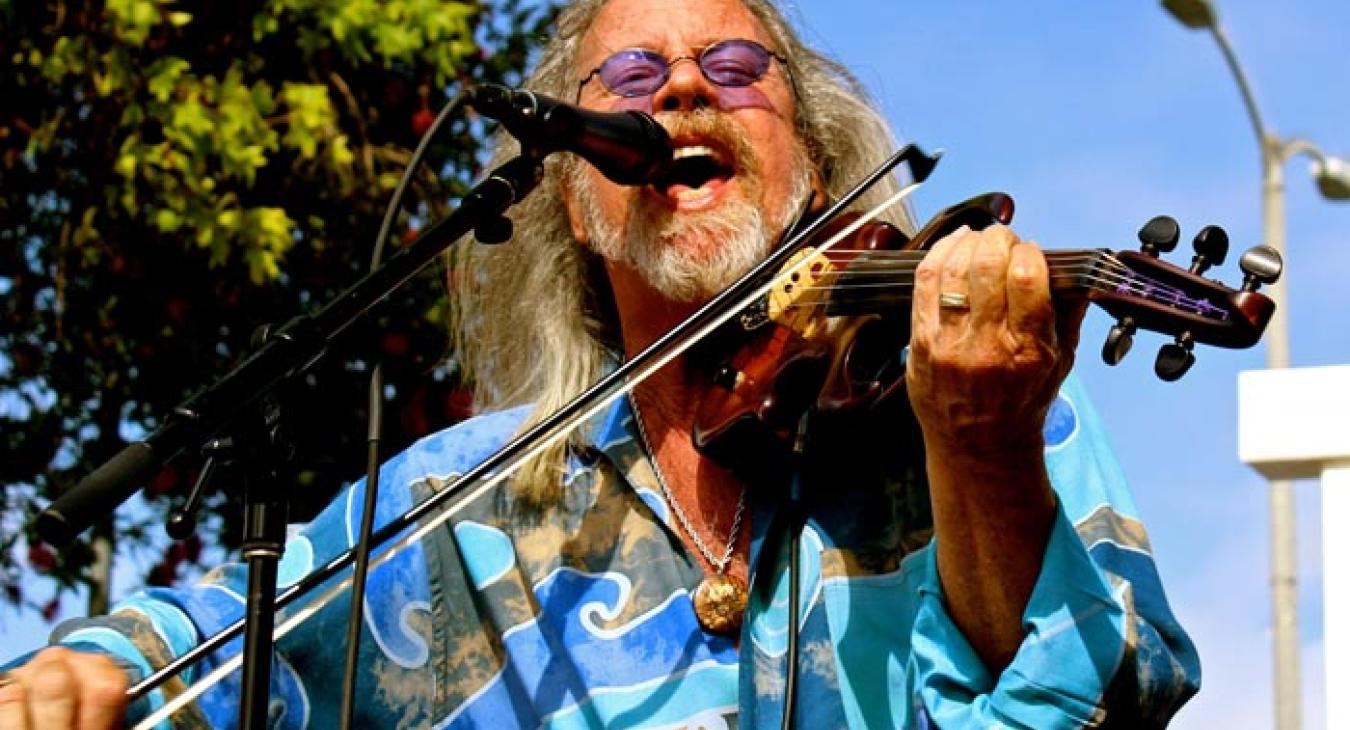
pixel 829 337
pixel 820 324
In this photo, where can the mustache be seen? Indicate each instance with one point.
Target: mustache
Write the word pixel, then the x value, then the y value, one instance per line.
pixel 712 126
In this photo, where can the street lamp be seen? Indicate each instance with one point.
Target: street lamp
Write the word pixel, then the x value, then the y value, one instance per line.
pixel 1332 175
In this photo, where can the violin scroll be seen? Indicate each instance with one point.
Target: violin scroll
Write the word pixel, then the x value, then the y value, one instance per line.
pixel 1145 292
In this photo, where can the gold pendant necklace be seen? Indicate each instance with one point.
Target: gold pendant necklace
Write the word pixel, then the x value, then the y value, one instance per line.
pixel 720 598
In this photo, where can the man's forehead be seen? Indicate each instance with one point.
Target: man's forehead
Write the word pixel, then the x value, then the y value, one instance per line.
pixel 669 26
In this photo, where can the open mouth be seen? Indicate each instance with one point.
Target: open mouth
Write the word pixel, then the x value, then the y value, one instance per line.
pixel 697 171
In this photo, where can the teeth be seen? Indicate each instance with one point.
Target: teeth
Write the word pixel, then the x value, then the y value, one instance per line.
pixel 692 193
pixel 693 151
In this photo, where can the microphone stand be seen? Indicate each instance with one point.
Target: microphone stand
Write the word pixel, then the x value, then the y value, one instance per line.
pixel 227 405
pixel 506 185
pixel 304 340
pixel 266 507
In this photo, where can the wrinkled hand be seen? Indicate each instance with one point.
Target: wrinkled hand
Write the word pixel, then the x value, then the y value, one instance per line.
pixel 62 689
pixel 981 379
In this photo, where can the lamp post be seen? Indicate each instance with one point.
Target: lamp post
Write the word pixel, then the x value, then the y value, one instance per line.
pixel 1333 180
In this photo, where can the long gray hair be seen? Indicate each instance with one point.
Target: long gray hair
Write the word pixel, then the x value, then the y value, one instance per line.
pixel 531 318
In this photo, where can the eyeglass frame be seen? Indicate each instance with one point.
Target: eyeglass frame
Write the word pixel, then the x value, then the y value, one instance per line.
pixel 697 58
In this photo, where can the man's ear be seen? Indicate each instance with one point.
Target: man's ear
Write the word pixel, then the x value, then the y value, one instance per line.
pixel 820 198
pixel 574 217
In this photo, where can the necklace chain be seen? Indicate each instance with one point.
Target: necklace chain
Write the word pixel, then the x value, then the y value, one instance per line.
pixel 720 565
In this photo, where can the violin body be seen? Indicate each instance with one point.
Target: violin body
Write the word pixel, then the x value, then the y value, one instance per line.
pixel 829 337
pixel 810 346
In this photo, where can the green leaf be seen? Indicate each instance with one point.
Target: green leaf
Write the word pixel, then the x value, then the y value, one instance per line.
pixel 167 220
pixel 126 165
pixel 164 75
pixel 191 118
pixel 156 174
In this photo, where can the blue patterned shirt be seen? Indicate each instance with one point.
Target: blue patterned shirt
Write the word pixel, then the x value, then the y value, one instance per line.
pixel 580 615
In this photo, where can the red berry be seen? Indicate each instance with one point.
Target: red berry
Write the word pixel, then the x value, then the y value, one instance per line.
pixel 421 121
pixel 412 416
pixel 459 405
pixel 394 345
pixel 176 553
pixel 176 309
pixel 193 546
pixel 164 482
pixel 41 558
pixel 163 574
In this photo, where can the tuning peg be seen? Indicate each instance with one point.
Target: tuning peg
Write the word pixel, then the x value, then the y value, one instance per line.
pixel 1211 248
pixel 1159 235
pixel 1262 265
pixel 1175 359
pixel 1118 341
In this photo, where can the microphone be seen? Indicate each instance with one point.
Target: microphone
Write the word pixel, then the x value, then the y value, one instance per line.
pixel 627 147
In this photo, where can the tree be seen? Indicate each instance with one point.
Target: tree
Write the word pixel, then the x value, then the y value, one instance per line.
pixel 173 175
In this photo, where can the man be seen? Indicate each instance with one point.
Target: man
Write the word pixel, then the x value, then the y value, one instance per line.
pixel 599 588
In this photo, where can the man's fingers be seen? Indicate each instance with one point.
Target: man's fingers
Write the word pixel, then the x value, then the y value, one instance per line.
pixel 1028 292
pixel 954 275
pixel 988 272
pixel 60 689
pixel 13 703
pixel 52 691
pixel 102 698
pixel 928 279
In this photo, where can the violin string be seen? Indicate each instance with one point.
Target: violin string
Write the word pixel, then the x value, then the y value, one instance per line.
pixel 850 279
pixel 1111 265
pixel 866 259
pixel 1065 277
pixel 880 262
pixel 874 263
pixel 878 277
pixel 1176 298
pixel 1107 258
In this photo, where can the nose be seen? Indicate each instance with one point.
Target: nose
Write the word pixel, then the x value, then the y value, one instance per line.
pixel 687 88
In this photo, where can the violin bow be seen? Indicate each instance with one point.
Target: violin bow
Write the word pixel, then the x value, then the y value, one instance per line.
pixel 437 509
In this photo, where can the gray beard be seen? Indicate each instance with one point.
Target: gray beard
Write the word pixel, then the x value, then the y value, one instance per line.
pixel 689 257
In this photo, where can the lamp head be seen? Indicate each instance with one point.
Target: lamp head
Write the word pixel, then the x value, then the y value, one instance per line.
pixel 1194 14
pixel 1333 177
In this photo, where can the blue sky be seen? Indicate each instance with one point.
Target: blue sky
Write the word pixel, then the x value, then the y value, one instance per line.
pixel 1097 116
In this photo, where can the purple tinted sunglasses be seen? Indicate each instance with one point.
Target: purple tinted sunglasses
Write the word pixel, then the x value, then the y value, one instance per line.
pixel 636 72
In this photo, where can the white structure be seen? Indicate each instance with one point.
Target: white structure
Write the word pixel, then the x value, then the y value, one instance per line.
pixel 1295 424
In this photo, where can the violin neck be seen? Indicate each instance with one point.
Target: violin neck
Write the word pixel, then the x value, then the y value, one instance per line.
pixel 877 279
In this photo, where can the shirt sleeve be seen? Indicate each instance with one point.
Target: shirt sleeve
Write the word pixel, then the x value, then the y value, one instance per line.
pixel 153 627
pixel 1102 645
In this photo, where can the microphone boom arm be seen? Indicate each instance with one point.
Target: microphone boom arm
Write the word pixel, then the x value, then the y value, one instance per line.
pixel 291 351
pixel 501 464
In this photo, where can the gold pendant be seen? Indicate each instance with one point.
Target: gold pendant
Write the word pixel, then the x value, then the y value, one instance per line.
pixel 719 603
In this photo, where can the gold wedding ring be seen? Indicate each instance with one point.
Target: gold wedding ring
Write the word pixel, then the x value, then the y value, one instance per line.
pixel 954 300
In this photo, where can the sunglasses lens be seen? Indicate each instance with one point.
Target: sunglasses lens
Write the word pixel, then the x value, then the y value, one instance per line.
pixel 633 73
pixel 735 63
pixel 636 72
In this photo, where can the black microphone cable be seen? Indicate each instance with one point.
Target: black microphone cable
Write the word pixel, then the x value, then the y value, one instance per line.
pixel 629 148
pixel 374 422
